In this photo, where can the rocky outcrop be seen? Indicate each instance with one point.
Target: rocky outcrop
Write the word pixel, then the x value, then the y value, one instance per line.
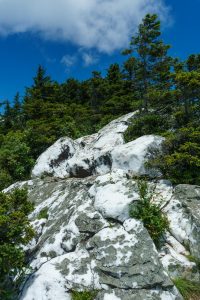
pixel 183 212
pixel 184 215
pixel 97 154
pixel 87 240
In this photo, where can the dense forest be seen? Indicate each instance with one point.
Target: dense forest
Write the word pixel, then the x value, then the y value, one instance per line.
pixel 164 90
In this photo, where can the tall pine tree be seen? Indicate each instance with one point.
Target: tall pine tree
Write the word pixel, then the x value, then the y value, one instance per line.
pixel 152 65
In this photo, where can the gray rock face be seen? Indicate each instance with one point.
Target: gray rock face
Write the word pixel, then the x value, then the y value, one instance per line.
pixel 126 258
pixel 88 241
pixel 118 294
pixel 184 216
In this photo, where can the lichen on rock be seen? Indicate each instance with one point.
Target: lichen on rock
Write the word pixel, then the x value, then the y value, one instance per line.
pixel 89 241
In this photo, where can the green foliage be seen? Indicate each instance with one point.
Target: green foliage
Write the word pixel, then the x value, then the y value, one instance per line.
pixel 5 179
pixel 151 68
pixel 165 91
pixel 85 295
pixel 15 231
pixel 43 214
pixel 149 213
pixel 15 159
pixel 179 160
pixel 190 290
pixel 41 134
pixel 193 62
pixel 195 260
pixel 145 124
pixel 188 90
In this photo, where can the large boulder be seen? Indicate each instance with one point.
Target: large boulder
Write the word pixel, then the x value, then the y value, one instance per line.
pixel 133 155
pixel 97 154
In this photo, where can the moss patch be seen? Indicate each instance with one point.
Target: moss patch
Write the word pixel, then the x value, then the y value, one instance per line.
pixel 85 295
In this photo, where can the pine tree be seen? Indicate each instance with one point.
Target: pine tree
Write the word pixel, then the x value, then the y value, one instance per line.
pixel 193 62
pixel 17 113
pixel 8 116
pixel 41 83
pixel 41 92
pixel 69 91
pixel 113 81
pixel 17 104
pixel 152 64
pixel 96 91
pixel 114 74
pixel 187 85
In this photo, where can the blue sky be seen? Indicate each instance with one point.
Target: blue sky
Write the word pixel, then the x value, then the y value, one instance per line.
pixel 72 38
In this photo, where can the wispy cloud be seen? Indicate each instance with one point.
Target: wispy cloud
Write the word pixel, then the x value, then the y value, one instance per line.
pixel 68 60
pixel 104 25
pixel 89 59
pixel 82 57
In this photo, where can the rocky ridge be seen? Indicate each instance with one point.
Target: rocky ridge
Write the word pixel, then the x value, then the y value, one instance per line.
pixel 86 239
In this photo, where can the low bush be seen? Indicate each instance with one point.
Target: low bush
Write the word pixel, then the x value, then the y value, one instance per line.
pixel 150 123
pixel 15 231
pixel 179 160
pixel 149 213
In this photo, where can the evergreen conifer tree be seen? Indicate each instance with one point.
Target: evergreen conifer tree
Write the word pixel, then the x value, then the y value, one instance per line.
pixel 152 64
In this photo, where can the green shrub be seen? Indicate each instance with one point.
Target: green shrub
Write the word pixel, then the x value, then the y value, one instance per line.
pixel 85 295
pixel 179 160
pixel 43 214
pixel 150 214
pixel 5 179
pixel 145 124
pixel 190 290
pixel 15 158
pixel 195 260
pixel 15 231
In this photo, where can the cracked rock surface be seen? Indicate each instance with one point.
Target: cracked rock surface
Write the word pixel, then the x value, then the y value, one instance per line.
pixel 87 240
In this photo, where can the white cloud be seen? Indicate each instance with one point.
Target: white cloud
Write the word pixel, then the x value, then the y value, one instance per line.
pixel 89 59
pixel 80 56
pixel 68 60
pixel 105 25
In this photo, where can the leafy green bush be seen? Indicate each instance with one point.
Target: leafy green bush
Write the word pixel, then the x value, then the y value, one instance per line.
pixel 150 214
pixel 150 123
pixel 179 159
pixel 190 290
pixel 5 179
pixel 15 231
pixel 15 158
pixel 85 295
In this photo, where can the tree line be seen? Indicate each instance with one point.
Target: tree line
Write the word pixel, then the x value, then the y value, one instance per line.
pixel 164 90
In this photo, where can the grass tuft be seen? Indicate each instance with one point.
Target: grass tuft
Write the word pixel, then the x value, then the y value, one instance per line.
pixel 43 214
pixel 190 290
pixel 85 295
pixel 195 260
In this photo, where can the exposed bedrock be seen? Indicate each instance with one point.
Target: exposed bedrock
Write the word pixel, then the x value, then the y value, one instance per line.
pixel 88 240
